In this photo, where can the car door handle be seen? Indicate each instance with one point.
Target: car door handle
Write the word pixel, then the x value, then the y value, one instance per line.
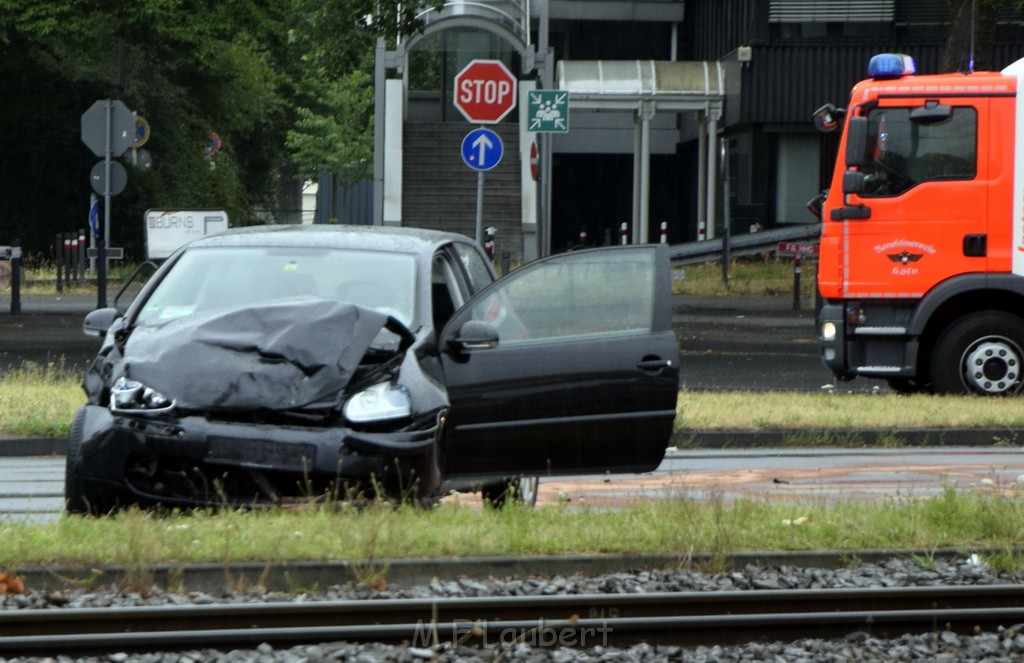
pixel 653 364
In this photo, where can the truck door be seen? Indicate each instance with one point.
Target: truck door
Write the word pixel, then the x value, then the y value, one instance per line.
pixel 926 187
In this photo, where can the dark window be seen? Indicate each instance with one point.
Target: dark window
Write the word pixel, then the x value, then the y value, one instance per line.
pixel 905 154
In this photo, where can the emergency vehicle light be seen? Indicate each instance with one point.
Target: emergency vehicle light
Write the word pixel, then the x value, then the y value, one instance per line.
pixel 891 65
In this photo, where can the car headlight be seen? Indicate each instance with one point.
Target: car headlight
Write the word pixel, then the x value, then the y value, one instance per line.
pixel 127 395
pixel 381 402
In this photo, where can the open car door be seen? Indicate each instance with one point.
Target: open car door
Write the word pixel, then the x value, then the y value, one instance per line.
pixel 568 365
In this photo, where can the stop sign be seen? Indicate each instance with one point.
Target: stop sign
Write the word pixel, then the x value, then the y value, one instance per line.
pixel 485 91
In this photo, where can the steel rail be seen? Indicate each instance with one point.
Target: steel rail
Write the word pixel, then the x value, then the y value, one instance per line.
pixel 681 618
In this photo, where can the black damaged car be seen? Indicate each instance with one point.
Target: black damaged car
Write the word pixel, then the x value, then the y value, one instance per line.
pixel 280 364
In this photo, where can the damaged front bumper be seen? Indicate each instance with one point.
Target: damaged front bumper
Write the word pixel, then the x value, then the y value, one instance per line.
pixel 193 461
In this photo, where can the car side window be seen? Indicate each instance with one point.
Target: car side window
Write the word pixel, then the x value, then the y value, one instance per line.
pixel 445 295
pixel 583 295
pixel 479 273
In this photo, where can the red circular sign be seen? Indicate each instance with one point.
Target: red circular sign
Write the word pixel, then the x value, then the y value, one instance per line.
pixel 485 91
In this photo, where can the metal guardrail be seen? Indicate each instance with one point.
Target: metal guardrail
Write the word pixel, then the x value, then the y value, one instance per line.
pixel 747 244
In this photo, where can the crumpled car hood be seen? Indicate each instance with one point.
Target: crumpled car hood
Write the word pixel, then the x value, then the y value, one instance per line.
pixel 278 355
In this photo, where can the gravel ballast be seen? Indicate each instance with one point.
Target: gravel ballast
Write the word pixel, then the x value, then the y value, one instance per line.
pixel 940 646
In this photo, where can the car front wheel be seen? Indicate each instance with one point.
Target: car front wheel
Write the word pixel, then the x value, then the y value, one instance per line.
pixel 80 496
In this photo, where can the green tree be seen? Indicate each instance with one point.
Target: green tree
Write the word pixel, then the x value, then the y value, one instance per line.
pixel 972 33
pixel 250 70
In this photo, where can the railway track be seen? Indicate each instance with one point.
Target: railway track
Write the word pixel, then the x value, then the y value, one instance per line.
pixel 679 618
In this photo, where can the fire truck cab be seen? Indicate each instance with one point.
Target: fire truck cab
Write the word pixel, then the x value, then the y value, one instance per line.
pixel 921 271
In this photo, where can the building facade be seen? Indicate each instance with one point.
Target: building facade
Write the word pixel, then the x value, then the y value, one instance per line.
pixel 737 79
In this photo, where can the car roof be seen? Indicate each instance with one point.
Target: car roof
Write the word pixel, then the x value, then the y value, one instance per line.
pixel 376 238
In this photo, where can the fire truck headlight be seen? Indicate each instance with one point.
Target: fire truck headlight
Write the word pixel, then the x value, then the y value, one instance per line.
pixel 828 331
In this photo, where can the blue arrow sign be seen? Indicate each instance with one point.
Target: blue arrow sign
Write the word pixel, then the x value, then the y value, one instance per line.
pixel 481 149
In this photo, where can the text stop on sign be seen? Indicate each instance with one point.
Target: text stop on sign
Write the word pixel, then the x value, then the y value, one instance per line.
pixel 485 91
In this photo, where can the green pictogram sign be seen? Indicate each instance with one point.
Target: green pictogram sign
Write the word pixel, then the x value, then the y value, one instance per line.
pixel 548 111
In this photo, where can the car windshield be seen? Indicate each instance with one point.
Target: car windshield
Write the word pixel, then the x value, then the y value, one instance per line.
pixel 212 278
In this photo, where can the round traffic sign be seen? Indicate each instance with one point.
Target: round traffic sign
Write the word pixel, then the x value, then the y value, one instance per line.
pixel 485 91
pixel 118 178
pixel 141 131
pixel 482 149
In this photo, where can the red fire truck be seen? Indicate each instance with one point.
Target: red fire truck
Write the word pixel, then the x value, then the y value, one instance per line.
pixel 921 270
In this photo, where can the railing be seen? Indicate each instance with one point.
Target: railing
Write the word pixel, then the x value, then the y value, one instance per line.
pixel 512 14
pixel 741 245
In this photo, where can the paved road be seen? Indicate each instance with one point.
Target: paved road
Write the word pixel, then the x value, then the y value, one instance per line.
pixel 725 344
pixel 32 487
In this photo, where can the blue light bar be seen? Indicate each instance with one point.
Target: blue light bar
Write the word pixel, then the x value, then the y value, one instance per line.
pixel 891 65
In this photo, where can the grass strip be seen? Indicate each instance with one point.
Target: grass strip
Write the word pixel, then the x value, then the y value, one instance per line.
pixel 959 519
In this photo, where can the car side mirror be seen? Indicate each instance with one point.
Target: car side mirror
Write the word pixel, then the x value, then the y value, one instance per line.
pixel 475 335
pixel 97 322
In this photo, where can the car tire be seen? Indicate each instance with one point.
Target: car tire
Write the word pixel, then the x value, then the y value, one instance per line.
pixel 522 491
pixel 982 353
pixel 79 496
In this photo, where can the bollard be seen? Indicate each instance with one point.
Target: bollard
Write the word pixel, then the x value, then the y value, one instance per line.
pixel 583 236
pixel 664 233
pixel 607 237
pixel 506 261
pixel 623 234
pixel 58 253
pixel 67 259
pixel 81 256
pixel 16 277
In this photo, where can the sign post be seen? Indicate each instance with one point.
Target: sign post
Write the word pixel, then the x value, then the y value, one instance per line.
pixel 481 150
pixel 798 251
pixel 485 92
pixel 108 129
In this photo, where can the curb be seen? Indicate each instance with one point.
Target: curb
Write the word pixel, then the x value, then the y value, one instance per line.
pixel 684 439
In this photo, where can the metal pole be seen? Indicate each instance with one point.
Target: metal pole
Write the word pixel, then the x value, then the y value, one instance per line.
pixel 796 282
pixel 58 255
pixel 16 277
pixel 479 207
pixel 104 238
pixel 726 226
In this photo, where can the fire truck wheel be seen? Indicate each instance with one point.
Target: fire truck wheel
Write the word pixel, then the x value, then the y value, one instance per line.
pixel 981 353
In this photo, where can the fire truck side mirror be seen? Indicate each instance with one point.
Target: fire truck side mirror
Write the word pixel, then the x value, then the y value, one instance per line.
pixel 857 142
pixel 827 119
pixel 853 181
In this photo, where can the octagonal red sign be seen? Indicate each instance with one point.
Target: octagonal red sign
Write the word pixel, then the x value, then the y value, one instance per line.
pixel 485 91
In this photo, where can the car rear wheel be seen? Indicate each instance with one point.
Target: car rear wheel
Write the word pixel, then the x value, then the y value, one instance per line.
pixel 522 490
pixel 982 353
pixel 81 496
